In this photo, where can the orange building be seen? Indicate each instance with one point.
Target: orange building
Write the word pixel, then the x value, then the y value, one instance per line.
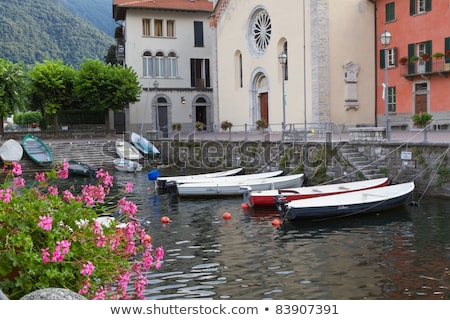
pixel 417 59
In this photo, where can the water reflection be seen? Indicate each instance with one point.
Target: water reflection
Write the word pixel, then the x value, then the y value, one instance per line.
pixel 401 254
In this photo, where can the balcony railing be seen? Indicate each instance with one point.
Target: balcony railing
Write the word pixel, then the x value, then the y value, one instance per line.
pixel 425 69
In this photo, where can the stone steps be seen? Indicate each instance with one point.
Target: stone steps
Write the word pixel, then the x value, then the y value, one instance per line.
pixel 359 162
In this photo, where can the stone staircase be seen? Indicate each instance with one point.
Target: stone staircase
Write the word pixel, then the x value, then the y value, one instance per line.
pixel 359 162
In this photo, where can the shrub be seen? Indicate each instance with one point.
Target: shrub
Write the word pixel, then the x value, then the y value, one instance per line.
pixel 421 119
pixel 176 126
pixel 226 125
pixel 261 124
pixel 52 239
pixel 199 126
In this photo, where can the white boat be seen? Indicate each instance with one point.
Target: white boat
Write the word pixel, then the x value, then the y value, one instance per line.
pixel 126 165
pixel 126 150
pixel 346 204
pixel 236 178
pixel 161 181
pixel 143 145
pixel 268 197
pixel 224 188
pixel 11 151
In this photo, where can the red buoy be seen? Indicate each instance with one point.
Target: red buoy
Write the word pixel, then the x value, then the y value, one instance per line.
pixel 165 219
pixel 147 239
pixel 276 222
pixel 226 216
pixel 244 206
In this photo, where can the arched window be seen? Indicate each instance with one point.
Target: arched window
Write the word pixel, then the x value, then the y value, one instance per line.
pixel 172 65
pixel 159 65
pixel 147 62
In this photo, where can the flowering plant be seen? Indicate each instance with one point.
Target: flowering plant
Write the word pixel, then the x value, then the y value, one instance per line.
pixel 447 53
pixel 421 119
pixel 261 124
pixel 225 125
pixel 199 126
pixel 59 239
pixel 176 126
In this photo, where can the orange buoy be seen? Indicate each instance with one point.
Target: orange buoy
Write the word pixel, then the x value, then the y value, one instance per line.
pixel 226 216
pixel 147 239
pixel 165 219
pixel 276 222
pixel 244 206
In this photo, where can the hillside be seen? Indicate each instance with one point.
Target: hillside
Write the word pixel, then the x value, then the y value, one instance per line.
pixel 35 30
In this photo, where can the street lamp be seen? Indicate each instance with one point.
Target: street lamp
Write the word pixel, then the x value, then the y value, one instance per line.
pixel 386 37
pixel 282 58
pixel 155 85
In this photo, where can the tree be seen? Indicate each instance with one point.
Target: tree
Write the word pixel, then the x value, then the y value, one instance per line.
pixel 13 88
pixel 52 88
pixel 104 87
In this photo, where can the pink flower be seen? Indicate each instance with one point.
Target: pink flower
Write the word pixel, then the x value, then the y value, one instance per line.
pixel 5 195
pixel 45 255
pixel 45 223
pixel 17 169
pixel 100 294
pixel 129 187
pixel 63 173
pixel 19 182
pixel 88 268
pixel 67 196
pixel 53 190
pixel 39 177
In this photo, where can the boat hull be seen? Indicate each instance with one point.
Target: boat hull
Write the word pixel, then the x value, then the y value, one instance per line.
pixel 37 150
pixel 144 146
pixel 126 150
pixel 11 151
pixel 240 187
pixel 126 165
pixel 341 205
pixel 268 197
pixel 81 169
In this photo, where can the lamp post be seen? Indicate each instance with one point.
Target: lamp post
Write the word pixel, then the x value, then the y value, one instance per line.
pixel 282 58
pixel 386 37
pixel 155 85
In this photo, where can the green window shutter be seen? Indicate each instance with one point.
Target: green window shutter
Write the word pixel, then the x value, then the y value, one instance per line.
pixel 428 49
pixel 411 52
pixel 382 59
pixel 390 11
pixel 412 7
pixel 447 49
pixel 427 5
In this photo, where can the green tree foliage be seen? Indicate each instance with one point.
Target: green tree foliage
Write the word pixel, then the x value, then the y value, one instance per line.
pixel 51 88
pixel 12 88
pixel 37 30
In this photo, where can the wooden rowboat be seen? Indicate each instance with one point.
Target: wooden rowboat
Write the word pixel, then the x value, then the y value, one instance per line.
pixel 347 204
pixel 37 150
pixel 268 197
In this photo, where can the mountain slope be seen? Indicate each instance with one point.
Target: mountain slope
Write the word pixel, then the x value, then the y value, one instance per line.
pixel 97 12
pixel 35 30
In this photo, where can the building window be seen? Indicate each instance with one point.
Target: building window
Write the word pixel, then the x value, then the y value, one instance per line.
pixel 159 65
pixel 390 11
pixel 260 31
pixel 392 99
pixel 200 77
pixel 158 28
pixel 172 65
pixel 170 28
pixel 419 6
pixel 391 56
pixel 198 34
pixel 146 29
pixel 147 64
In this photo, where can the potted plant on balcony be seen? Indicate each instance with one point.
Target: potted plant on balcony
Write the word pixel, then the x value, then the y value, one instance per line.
pixel 425 56
pixel 414 59
pixel 438 55
pixel 403 60
pixel 447 54
pixel 226 125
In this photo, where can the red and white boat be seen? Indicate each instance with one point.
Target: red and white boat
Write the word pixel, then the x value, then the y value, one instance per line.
pixel 268 197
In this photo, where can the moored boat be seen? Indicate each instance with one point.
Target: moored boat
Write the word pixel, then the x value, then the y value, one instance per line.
pixel 81 169
pixel 161 181
pixel 127 165
pixel 126 150
pixel 235 178
pixel 11 151
pixel 37 150
pixel 268 197
pixel 224 188
pixel 347 204
pixel 144 146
